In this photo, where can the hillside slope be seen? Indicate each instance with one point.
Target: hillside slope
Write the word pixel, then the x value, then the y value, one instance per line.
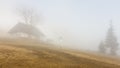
pixel 25 56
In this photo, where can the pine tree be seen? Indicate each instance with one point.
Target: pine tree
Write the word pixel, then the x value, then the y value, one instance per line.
pixel 111 41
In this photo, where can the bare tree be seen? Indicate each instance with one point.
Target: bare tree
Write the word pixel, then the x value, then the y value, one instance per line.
pixel 29 16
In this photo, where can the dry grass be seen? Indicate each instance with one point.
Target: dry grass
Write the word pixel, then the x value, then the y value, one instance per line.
pixel 21 55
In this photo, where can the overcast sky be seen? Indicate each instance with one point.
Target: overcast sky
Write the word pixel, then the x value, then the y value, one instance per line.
pixel 81 23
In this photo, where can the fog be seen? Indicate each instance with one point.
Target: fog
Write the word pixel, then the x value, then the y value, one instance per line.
pixel 75 24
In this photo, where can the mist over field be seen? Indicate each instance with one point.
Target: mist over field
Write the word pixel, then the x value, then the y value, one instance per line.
pixel 59 34
pixel 74 24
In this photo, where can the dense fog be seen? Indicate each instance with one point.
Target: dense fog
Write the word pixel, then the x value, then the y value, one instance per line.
pixel 77 24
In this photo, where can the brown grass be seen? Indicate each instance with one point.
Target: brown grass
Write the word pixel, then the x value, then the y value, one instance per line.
pixel 21 55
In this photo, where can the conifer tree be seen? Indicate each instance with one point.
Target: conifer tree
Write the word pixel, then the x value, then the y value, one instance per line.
pixel 111 40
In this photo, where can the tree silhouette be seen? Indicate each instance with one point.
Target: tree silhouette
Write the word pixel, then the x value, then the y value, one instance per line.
pixel 111 40
pixel 29 16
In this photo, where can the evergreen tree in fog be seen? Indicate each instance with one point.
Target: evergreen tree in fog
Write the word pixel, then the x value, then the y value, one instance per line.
pixel 111 40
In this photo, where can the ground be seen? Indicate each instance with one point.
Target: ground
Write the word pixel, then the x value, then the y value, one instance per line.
pixel 21 55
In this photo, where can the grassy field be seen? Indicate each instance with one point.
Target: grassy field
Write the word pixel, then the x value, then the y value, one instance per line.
pixel 21 54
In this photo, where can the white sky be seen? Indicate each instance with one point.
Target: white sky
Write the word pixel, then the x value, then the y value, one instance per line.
pixel 81 23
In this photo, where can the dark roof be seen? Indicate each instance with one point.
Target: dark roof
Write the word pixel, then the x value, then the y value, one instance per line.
pixel 25 28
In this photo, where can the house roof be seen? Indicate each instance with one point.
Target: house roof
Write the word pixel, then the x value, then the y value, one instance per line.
pixel 25 28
